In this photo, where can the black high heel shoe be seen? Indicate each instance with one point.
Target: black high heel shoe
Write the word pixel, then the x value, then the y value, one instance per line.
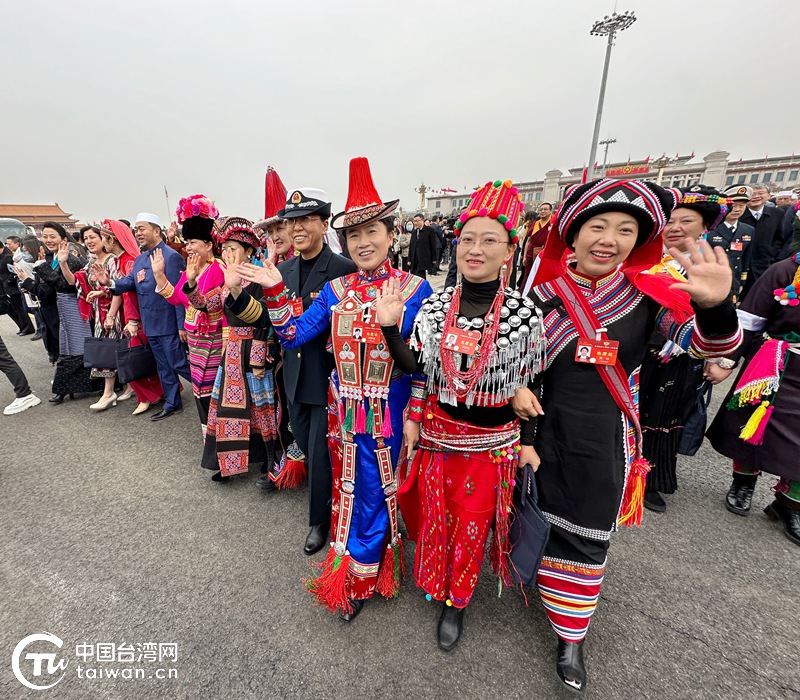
pixel 56 399
pixel 569 665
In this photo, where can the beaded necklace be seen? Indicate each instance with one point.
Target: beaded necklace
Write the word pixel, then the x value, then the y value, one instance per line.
pixel 464 382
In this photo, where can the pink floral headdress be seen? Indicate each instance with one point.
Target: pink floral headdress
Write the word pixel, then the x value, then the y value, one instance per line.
pixel 197 205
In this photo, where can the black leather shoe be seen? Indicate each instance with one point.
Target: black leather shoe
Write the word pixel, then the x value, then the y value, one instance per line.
pixel 217 476
pixel 740 496
pixel 358 606
pixel 569 665
pixel 790 518
pixel 56 399
pixel 654 502
pixel 451 623
pixel 36 336
pixel 265 483
pixel 317 538
pixel 28 332
pixel 165 413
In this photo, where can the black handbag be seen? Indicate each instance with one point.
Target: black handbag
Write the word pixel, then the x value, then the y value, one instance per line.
pixel 695 427
pixel 135 363
pixel 72 377
pixel 101 353
pixel 529 530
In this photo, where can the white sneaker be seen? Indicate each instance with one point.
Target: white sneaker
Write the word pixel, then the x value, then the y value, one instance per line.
pixel 20 405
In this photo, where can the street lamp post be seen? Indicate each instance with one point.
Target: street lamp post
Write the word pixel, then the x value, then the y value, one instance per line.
pixel 608 26
pixel 606 143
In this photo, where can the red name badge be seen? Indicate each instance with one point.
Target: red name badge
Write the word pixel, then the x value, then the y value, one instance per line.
pixel 459 340
pixel 363 333
pixel 140 276
pixel 597 352
pixel 296 305
pixel 737 245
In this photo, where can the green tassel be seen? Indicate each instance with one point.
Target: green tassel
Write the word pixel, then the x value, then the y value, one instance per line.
pixel 370 419
pixel 396 548
pixel 336 561
pixel 348 417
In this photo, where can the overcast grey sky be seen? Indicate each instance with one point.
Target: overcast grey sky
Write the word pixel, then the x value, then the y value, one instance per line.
pixel 104 103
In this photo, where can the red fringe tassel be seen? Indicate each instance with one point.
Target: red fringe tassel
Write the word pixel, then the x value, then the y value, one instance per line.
pixel 633 498
pixel 330 586
pixel 292 475
pixel 392 570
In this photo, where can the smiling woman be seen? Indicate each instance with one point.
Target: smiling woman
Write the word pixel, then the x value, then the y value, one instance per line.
pixel 368 395
pixel 589 437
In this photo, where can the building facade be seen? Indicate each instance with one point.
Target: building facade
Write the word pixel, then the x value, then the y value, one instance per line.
pixel 35 215
pixel 716 170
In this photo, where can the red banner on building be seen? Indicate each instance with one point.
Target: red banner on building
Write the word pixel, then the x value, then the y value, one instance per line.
pixel 628 170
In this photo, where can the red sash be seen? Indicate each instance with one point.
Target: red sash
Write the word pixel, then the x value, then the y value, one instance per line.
pixel 616 381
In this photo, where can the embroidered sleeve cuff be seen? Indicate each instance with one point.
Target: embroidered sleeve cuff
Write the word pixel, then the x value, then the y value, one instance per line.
pixel 195 296
pixel 166 291
pixel 419 397
pixel 716 331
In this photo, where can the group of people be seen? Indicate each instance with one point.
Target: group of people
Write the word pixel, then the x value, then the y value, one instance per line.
pixel 400 402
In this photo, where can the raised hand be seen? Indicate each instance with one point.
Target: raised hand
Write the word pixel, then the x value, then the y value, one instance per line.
pixel 20 273
pixel 272 253
pixel 172 231
pixel 63 251
pixel 708 272
pixel 194 265
pixel 157 261
pixel 388 303
pixel 100 273
pixel 231 257
pixel 267 276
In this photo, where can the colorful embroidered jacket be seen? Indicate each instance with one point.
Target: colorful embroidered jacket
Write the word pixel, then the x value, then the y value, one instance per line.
pixel 204 303
pixel 363 362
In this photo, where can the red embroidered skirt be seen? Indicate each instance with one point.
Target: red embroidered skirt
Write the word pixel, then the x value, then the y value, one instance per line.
pixel 459 484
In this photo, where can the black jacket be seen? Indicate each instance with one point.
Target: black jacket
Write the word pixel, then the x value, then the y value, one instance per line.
pixel 767 243
pixel 737 246
pixel 8 280
pixel 422 252
pixel 306 369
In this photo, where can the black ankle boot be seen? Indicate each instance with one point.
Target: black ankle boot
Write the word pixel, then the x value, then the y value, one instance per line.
pixel 357 605
pixel 790 518
pixel 740 494
pixel 451 623
pixel 654 502
pixel 569 665
pixel 56 399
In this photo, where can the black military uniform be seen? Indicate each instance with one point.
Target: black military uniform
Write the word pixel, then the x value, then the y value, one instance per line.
pixel 307 369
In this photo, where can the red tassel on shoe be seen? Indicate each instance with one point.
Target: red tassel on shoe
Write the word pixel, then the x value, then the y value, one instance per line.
pixel 330 587
pixel 633 498
pixel 292 475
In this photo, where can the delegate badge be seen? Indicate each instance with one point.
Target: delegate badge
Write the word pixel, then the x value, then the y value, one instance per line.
pixel 597 352
pixel 296 305
pixel 459 340
pixel 363 333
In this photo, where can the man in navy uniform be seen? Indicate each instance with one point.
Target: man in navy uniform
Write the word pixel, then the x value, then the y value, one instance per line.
pixel 306 369
pixel 161 321
pixel 735 237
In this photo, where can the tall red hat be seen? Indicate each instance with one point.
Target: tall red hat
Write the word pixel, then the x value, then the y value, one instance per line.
pixel 364 204
pixel 274 198
pixel 499 200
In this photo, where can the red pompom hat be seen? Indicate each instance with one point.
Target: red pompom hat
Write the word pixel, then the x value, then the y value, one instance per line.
pixel 364 204
pixel 498 200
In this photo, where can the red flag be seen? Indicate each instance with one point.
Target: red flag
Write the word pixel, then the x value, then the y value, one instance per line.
pixel 739 162
pixel 629 159
pixel 691 156
pixel 585 175
pixel 678 155
pixel 647 160
pixel 166 194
